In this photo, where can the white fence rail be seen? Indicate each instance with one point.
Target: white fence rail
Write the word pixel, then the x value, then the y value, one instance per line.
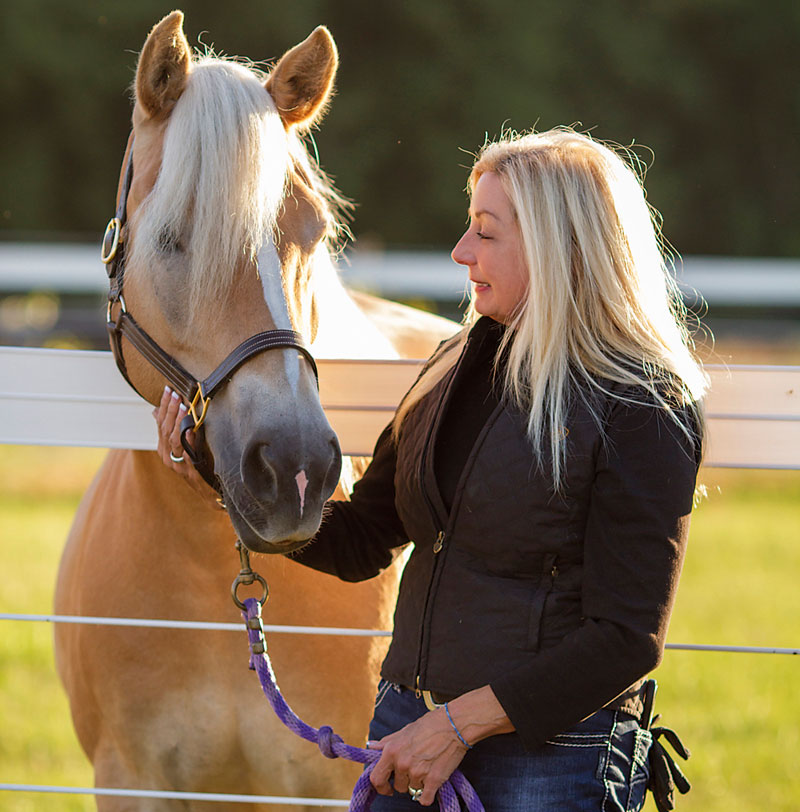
pixel 63 397
pixel 722 281
pixel 69 397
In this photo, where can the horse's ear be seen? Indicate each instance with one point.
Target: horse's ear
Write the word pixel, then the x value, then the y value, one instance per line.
pixel 163 66
pixel 302 81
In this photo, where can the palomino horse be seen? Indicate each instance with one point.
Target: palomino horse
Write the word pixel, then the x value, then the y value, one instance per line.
pixel 228 223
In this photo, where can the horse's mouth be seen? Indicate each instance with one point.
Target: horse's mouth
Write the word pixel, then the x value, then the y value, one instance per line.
pixel 258 545
pixel 259 534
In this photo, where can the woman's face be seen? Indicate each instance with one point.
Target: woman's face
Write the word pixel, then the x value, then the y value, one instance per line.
pixel 491 249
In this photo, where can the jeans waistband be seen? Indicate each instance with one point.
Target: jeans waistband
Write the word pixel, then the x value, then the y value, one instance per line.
pixel 637 701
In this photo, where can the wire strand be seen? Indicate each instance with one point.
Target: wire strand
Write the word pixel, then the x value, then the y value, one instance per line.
pixel 322 630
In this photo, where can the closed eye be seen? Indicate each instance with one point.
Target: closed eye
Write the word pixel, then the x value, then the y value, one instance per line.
pixel 168 242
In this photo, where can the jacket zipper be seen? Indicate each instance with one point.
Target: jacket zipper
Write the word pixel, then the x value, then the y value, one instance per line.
pixel 438 543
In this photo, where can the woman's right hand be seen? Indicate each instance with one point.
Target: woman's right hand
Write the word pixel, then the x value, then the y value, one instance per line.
pixel 168 415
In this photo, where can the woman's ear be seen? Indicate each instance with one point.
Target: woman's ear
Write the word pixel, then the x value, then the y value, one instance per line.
pixel 163 66
pixel 302 81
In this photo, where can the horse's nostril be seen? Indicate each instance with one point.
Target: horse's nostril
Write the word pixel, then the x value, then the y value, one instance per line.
pixel 334 468
pixel 258 473
pixel 276 475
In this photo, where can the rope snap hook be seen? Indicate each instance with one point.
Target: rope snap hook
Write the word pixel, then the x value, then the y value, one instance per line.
pixel 246 577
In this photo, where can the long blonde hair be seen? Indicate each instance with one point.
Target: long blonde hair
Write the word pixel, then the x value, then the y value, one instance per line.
pixel 601 304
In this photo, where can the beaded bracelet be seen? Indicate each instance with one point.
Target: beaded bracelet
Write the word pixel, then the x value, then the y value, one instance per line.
pixel 453 725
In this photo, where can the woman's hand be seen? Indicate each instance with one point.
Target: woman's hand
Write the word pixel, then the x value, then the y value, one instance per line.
pixel 421 755
pixel 169 414
pixel 424 754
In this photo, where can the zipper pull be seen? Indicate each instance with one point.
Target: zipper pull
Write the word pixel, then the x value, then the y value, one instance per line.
pixel 417 690
pixel 439 543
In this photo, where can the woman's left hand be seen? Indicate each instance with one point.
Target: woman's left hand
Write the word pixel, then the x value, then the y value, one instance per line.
pixel 422 755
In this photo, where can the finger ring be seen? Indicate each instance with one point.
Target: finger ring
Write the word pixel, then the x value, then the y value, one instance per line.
pixel 174 458
pixel 414 793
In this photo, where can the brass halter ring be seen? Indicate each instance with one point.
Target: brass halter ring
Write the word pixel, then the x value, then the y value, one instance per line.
pixel 113 232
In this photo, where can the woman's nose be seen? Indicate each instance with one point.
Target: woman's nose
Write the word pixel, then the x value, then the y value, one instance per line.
pixel 461 254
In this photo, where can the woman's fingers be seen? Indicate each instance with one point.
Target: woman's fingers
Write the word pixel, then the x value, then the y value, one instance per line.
pixel 395 770
pixel 168 415
pixel 421 756
pixel 382 772
pixel 161 410
pixel 432 784
pixel 168 420
pixel 175 435
pixel 159 413
pixel 171 418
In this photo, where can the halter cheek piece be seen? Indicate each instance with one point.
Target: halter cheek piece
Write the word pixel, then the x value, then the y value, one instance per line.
pixel 195 392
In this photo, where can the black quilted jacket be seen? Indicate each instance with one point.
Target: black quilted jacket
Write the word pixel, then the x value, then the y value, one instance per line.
pixel 560 602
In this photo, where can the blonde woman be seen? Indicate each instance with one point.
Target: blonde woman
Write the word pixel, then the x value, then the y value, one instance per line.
pixel 543 467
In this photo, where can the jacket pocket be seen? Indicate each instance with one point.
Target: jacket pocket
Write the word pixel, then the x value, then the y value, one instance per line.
pixel 539 600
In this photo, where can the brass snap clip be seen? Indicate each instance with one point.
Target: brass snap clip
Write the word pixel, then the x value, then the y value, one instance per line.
pixel 246 577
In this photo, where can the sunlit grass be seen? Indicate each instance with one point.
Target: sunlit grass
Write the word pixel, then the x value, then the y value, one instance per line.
pixel 738 712
pixel 39 491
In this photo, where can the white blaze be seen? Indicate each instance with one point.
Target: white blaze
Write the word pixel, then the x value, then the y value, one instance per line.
pixel 302 482
pixel 270 272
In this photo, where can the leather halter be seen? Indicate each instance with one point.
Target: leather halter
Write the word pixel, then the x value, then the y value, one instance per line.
pixel 197 393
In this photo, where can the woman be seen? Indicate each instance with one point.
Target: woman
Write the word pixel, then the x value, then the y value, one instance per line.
pixel 544 465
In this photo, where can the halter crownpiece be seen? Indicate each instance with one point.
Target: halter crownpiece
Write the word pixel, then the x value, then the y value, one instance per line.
pixel 197 393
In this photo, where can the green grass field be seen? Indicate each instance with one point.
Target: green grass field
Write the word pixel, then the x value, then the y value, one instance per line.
pixel 739 713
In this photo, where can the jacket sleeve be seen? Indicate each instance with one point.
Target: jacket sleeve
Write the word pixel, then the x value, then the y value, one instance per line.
pixel 361 537
pixel 634 545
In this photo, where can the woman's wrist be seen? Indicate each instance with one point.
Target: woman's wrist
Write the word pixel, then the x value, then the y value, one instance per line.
pixel 477 715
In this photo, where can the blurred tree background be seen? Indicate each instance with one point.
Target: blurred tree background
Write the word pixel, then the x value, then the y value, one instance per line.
pixel 710 86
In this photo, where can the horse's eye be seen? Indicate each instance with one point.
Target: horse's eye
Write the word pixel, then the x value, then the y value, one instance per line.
pixel 168 241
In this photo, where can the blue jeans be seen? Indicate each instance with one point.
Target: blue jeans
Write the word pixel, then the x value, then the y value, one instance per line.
pixel 600 765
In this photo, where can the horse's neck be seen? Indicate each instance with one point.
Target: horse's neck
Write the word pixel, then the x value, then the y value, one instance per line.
pixel 343 331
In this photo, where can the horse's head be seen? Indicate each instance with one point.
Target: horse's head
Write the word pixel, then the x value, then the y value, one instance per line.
pixel 225 217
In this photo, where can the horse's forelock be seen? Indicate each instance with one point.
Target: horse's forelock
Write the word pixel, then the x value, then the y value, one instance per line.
pixel 222 179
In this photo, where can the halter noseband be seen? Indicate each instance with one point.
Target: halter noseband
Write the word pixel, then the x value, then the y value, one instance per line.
pixel 198 393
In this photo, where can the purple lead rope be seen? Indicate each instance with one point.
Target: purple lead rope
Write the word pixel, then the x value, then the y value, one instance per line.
pixel 330 744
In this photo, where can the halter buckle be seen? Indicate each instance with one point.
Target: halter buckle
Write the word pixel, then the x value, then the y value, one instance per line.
pixel 113 235
pixel 199 401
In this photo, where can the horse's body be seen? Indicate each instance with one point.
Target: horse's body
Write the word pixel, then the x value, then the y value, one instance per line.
pixel 179 710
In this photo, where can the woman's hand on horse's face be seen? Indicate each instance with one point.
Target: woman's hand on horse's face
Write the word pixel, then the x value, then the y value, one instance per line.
pixel 168 414
pixel 422 755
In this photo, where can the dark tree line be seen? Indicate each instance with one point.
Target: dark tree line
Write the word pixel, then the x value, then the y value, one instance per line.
pixel 711 86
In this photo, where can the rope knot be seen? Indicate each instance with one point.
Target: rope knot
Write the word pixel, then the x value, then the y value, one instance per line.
pixel 327 738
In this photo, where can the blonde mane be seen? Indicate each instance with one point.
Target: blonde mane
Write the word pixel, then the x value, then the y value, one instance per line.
pixel 223 177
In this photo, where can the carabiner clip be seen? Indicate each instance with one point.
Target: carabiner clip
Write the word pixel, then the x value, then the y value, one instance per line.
pixel 246 577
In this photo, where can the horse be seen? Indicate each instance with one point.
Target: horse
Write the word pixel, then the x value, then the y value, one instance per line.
pixel 229 232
